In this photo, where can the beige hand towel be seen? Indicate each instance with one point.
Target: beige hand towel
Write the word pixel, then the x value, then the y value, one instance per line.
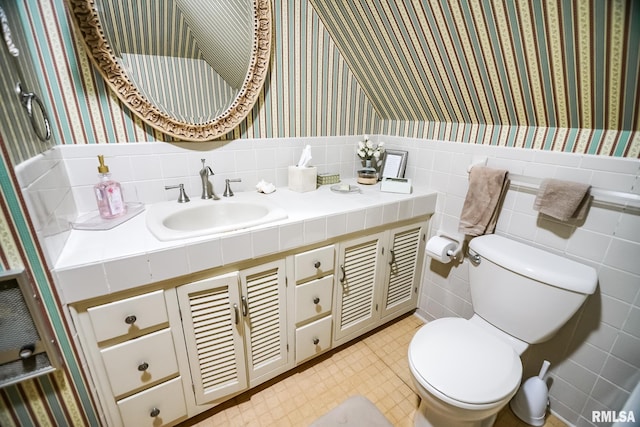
pixel 481 207
pixel 563 200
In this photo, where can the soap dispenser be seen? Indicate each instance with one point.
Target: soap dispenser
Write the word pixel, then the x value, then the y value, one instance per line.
pixel 108 193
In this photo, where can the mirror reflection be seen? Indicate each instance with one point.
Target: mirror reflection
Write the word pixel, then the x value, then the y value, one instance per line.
pixel 196 69
pixel 190 68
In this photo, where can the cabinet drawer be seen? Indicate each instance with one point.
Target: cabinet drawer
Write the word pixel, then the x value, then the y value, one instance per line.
pixel 314 298
pixel 141 361
pixel 313 339
pixel 128 315
pixel 167 399
pixel 314 263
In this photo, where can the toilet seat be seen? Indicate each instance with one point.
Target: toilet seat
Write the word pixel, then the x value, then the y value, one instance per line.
pixel 464 362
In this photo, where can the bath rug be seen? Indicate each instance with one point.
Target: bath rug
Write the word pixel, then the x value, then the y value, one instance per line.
pixel 356 411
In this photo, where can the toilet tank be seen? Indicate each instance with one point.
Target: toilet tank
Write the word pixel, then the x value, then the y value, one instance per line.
pixel 527 292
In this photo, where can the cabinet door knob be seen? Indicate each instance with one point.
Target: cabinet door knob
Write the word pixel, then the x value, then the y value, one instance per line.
pixel 143 366
pixel 130 320
pixel 154 412
pixel 316 300
pixel 317 264
pixel 316 341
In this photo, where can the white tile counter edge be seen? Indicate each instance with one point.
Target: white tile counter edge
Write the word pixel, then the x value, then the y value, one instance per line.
pixel 98 263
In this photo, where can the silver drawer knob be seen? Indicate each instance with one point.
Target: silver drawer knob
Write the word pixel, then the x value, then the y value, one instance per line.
pixel 154 412
pixel 130 320
pixel 316 341
pixel 143 366
pixel 316 300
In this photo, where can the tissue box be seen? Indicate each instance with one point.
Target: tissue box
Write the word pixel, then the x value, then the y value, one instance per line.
pixel 302 179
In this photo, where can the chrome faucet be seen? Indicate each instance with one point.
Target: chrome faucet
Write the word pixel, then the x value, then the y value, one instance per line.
pixel 207 187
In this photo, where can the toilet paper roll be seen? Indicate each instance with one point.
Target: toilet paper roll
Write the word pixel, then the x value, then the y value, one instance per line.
pixel 438 247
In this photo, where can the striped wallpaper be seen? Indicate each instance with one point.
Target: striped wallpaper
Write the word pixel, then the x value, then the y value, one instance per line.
pixel 555 75
pixel 187 89
pixel 558 74
pixel 309 90
pixel 224 34
pixel 61 398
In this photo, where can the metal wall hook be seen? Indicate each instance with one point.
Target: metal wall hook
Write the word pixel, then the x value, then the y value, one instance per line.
pixel 27 99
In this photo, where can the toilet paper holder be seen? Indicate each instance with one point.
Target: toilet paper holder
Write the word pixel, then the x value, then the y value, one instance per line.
pixel 457 239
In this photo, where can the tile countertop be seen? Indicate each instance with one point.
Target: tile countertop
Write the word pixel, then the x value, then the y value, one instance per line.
pixel 98 263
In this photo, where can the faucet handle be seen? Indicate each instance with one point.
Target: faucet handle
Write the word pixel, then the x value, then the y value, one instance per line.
pixel 182 197
pixel 227 189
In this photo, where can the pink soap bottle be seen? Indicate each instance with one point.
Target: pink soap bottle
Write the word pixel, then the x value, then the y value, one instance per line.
pixel 108 193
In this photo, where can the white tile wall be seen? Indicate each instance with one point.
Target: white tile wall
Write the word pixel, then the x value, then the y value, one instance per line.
pixel 596 356
pixel 58 184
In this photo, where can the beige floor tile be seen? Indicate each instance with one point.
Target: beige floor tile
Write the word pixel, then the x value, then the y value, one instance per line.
pixel 375 366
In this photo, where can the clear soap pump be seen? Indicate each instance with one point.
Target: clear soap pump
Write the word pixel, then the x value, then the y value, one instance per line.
pixel 108 193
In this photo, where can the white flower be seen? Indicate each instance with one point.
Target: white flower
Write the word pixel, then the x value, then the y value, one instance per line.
pixel 369 145
pixel 377 154
pixel 360 145
pixel 366 137
pixel 361 153
pixel 381 145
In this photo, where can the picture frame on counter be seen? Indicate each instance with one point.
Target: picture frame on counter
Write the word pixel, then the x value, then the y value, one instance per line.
pixel 395 164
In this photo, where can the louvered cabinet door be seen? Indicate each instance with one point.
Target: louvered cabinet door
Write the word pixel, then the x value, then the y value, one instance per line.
pixel 213 332
pixel 264 303
pixel 359 272
pixel 404 267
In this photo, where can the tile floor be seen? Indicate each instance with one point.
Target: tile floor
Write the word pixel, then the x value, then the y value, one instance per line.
pixel 374 366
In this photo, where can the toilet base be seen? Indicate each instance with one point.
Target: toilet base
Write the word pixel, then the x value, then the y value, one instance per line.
pixel 424 417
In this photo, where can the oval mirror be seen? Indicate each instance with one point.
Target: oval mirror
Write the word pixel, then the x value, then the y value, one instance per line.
pixel 192 69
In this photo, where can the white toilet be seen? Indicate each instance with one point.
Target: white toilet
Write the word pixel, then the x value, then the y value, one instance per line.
pixel 467 370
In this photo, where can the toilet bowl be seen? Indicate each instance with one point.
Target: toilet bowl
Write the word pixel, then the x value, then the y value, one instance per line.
pixel 467 370
pixel 463 373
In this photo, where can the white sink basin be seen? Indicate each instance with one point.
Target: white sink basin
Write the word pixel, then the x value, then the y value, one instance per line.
pixel 173 220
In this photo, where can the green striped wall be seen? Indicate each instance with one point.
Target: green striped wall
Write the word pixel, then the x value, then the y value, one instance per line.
pixel 558 75
pixel 61 398
pixel 309 92
pixel 561 74
pixel 553 75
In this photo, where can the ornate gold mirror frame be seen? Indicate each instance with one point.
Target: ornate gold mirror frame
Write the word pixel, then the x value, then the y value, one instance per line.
pixel 87 22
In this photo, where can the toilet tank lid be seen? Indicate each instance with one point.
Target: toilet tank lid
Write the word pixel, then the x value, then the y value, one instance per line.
pixel 536 264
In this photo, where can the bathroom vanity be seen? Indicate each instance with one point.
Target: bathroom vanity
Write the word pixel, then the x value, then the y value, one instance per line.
pixel 171 329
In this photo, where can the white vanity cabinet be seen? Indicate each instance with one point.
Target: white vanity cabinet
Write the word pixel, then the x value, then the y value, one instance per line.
pixel 235 330
pixel 176 349
pixel 313 299
pixel 377 279
pixel 129 348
